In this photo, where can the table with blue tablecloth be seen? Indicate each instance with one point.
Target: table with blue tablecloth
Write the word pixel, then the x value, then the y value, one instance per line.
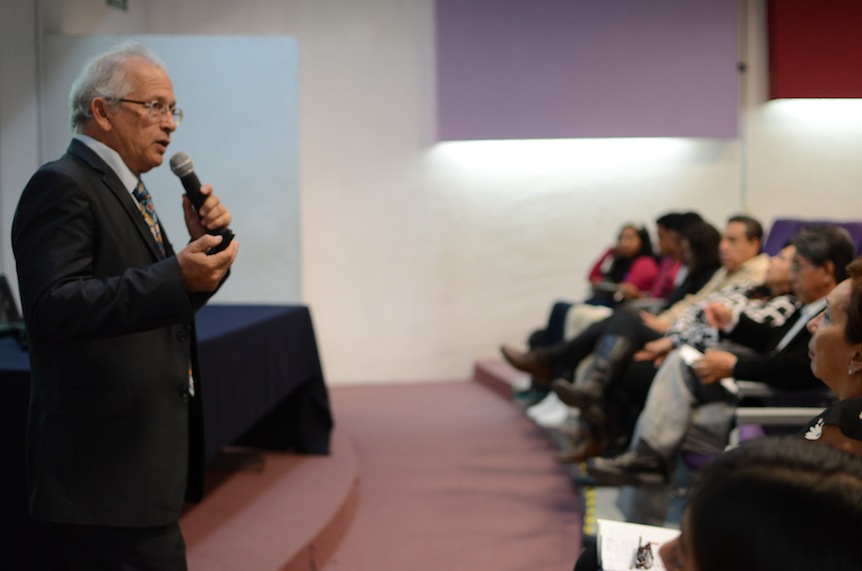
pixel 261 383
pixel 262 380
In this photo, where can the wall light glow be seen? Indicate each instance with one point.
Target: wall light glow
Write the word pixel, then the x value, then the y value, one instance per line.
pixel 552 155
pixel 824 114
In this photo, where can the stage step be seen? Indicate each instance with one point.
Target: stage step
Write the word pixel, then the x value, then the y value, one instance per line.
pixel 500 377
pixel 268 510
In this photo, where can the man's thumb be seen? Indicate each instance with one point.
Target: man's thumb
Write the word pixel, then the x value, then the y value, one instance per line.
pixel 205 242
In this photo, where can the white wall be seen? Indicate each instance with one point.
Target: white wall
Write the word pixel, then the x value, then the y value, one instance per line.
pixel 419 258
pixel 243 152
pixel 19 127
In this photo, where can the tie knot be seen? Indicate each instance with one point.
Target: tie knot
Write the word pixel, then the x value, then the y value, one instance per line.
pixel 145 203
pixel 140 191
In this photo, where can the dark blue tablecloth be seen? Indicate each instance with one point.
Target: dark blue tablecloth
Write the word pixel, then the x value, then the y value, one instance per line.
pixel 262 383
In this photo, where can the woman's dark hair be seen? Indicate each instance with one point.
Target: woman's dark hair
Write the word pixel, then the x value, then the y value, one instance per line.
pixel 822 243
pixel 690 217
pixel 677 220
pixel 669 221
pixel 703 240
pixel 646 240
pixel 620 266
pixel 853 329
pixel 778 504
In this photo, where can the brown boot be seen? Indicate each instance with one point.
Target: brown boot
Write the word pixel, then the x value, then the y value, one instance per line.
pixel 534 362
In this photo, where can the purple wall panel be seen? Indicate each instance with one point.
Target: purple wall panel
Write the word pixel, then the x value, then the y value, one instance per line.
pixel 526 69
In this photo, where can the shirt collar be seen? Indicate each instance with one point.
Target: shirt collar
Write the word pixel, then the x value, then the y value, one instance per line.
pixel 113 160
pixel 809 310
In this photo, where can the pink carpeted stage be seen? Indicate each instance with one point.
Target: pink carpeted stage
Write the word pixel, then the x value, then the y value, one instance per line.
pixel 438 476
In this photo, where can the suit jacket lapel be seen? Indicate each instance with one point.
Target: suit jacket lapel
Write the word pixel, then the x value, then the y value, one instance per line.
pixel 798 323
pixel 124 198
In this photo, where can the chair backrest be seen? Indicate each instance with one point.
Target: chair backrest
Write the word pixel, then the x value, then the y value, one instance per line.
pixel 784 228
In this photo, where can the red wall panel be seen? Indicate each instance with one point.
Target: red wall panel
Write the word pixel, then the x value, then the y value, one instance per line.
pixel 815 48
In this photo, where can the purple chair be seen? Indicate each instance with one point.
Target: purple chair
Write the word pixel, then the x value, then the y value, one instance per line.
pixel 784 228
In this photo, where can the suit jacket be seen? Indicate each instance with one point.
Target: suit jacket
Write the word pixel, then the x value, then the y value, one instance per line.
pixel 114 437
pixel 789 368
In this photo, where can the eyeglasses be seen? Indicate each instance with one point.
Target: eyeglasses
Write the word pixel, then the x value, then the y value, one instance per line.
pixel 157 109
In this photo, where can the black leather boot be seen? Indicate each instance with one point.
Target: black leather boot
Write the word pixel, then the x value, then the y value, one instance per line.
pixel 588 395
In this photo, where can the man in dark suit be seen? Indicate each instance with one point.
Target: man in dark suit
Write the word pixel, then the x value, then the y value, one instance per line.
pixel 114 432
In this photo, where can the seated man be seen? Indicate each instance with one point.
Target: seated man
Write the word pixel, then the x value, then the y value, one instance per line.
pixel 742 263
pixel 619 393
pixel 780 359
pixel 614 340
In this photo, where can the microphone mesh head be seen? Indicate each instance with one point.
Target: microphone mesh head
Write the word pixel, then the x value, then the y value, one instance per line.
pixel 181 164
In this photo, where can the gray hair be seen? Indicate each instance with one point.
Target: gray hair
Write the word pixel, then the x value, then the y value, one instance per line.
pixel 105 76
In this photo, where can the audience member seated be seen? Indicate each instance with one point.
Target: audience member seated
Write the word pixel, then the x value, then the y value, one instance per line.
pixel 779 358
pixel 698 243
pixel 836 359
pixel 614 340
pixel 775 504
pixel 630 260
pixel 627 271
pixel 672 269
pixel 625 391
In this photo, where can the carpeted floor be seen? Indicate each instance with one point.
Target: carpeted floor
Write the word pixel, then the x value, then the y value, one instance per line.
pixel 452 478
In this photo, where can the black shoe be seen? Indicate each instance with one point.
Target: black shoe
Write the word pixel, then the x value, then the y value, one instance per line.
pixel 629 469
pixel 581 480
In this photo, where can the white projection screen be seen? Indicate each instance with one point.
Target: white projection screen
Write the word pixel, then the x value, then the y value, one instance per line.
pixel 239 96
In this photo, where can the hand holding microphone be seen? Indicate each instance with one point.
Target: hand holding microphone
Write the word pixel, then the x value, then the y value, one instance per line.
pixel 183 167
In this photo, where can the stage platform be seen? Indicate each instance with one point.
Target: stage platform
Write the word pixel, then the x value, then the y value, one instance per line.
pixel 269 510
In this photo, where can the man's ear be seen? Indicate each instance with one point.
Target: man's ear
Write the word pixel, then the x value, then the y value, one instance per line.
pixel 855 365
pixel 829 272
pixel 758 245
pixel 99 110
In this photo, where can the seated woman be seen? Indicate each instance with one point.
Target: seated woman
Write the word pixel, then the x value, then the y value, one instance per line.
pixel 699 246
pixel 630 261
pixel 836 359
pixel 700 253
pixel 626 270
pixel 775 504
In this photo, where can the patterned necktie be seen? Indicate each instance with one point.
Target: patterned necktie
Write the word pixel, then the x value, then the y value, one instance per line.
pixel 145 205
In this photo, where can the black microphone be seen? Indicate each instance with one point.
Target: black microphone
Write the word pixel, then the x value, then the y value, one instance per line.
pixel 183 167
